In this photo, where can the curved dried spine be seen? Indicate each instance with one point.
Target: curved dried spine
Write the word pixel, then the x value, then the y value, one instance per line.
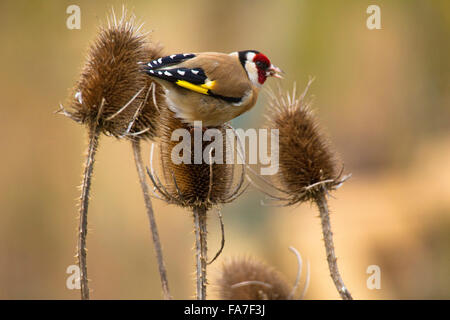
pixel 251 282
pixel 125 106
pixel 136 134
pixel 62 110
pixel 155 102
pixel 299 272
pixel 165 195
pixel 136 114
pixel 222 243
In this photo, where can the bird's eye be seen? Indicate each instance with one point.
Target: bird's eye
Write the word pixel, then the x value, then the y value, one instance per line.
pixel 261 65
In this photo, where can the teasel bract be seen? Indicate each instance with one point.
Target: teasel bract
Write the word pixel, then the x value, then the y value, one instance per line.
pixel 308 169
pixel 199 186
pixel 114 97
pixel 246 278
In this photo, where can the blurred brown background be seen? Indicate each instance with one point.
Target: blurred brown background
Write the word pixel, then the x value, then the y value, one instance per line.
pixel 382 95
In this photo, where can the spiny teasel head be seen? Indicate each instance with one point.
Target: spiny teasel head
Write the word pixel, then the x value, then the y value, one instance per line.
pixel 307 166
pixel 193 184
pixel 249 279
pixel 113 93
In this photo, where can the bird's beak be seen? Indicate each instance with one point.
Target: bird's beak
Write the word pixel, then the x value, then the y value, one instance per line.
pixel 273 71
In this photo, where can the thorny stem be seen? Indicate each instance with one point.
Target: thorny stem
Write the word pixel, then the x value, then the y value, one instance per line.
pixel 151 217
pixel 201 250
pixel 322 204
pixel 84 203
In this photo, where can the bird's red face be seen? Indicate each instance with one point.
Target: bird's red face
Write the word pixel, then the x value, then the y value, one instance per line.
pixel 257 66
pixel 265 68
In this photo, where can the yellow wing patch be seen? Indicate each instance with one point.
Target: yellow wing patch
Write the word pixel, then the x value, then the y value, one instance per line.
pixel 203 88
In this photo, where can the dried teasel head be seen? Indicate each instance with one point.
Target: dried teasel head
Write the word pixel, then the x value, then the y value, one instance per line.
pixel 113 93
pixel 245 278
pixel 307 166
pixel 248 279
pixel 194 184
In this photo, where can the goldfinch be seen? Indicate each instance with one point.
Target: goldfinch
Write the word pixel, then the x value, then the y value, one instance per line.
pixel 211 87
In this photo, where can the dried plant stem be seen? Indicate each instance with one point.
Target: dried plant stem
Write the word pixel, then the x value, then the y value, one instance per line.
pixel 322 204
pixel 151 217
pixel 84 203
pixel 201 250
pixel 222 243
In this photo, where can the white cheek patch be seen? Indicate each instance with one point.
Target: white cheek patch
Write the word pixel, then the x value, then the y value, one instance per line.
pixel 252 72
pixel 250 56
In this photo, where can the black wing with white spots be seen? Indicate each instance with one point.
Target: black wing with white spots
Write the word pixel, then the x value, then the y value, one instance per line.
pixel 169 60
pixel 195 76
pixel 193 79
